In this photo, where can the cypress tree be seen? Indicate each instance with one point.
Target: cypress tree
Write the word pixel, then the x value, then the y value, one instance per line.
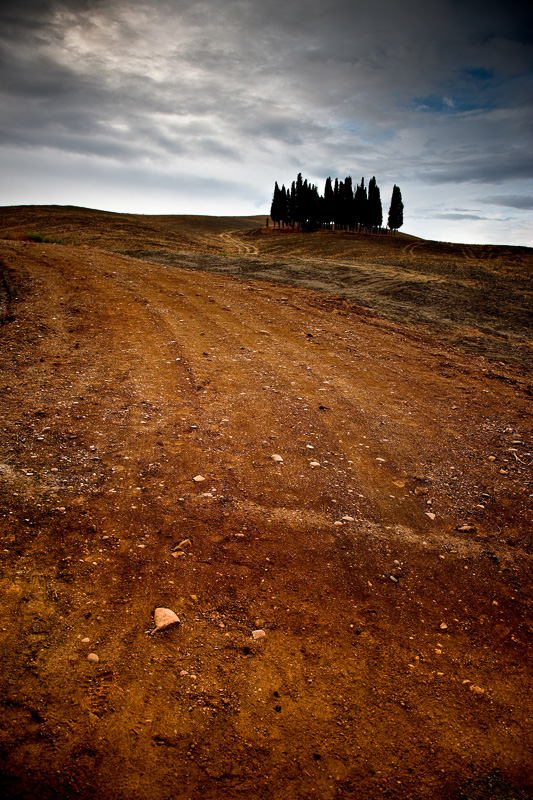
pixel 275 207
pixel 360 205
pixel 375 211
pixel 395 220
pixel 329 206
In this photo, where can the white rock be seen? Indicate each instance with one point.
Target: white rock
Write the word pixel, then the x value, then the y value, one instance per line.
pixel 164 618
pixel 277 458
pixel 198 478
pixel 346 518
pixel 429 514
pixel 258 634
pixel 93 658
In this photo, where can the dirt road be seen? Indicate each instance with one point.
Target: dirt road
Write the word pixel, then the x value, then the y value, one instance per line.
pixel 386 557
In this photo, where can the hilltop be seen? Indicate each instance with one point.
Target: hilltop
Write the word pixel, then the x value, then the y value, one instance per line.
pixel 331 489
pixel 476 297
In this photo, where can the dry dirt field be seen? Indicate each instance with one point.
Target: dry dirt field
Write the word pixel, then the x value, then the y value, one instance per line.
pixel 355 614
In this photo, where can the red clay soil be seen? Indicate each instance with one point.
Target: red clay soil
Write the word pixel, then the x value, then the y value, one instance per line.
pixel 386 558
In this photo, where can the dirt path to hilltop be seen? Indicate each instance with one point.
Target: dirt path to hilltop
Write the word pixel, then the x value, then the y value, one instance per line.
pixel 386 559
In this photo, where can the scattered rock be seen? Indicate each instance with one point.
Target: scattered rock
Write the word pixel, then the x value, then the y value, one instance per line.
pixel 465 527
pixel 85 640
pixel 277 458
pixel 477 689
pixel 314 463
pixel 164 618
pixel 198 478
pixel 443 626
pixel 429 514
pixel 346 518
pixel 93 658
pixel 393 578
pixel 182 545
pixel 259 633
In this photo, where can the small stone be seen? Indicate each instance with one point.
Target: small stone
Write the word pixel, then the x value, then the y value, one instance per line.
pixel 183 545
pixel 164 618
pixel 93 658
pixel 466 527
pixel 314 463
pixel 194 598
pixel 492 458
pixel 443 626
pixel 85 640
pixel 429 514
pixel 177 553
pixel 198 478
pixel 477 689
pixel 258 634
pixel 346 518
pixel 393 578
pixel 338 523
pixel 277 458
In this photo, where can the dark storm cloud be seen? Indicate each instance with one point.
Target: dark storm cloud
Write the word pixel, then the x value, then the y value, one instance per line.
pixel 509 200
pixel 241 91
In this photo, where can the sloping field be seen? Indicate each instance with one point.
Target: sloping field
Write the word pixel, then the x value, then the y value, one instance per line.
pixel 355 613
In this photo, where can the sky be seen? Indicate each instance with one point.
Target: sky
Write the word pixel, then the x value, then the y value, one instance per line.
pixel 199 106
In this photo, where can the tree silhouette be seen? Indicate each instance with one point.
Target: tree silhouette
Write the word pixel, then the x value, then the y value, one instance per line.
pixel 374 210
pixel 304 207
pixel 395 220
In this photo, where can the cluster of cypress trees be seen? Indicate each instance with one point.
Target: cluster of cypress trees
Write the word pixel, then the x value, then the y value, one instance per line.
pixel 341 206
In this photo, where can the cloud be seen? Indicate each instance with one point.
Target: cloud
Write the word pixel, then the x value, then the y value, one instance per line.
pixel 456 216
pixel 509 200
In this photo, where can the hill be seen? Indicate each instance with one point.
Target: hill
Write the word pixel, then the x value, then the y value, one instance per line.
pixel 476 297
pixel 337 506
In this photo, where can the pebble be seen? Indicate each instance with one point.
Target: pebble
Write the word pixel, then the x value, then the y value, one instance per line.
pixel 93 658
pixel 477 689
pixel 85 640
pixel 429 514
pixel 466 527
pixel 182 545
pixel 346 518
pixel 198 478
pixel 443 626
pixel 258 634
pixel 314 463
pixel 393 578
pixel 277 458
pixel 338 523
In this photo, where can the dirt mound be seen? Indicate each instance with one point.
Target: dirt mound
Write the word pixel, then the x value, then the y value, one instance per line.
pixel 355 618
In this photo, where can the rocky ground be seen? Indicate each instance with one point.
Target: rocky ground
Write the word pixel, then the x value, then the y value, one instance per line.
pixel 337 508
